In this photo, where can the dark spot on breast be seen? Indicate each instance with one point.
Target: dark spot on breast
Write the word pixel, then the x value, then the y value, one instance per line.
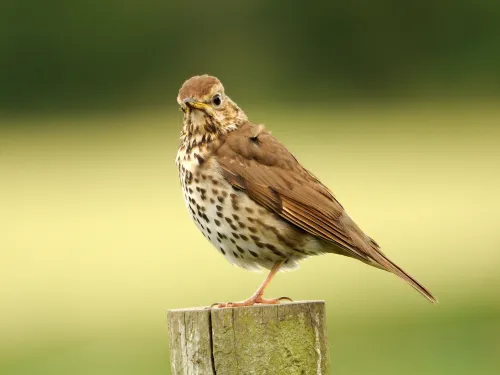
pixel 190 191
pixel 253 253
pixel 252 229
pixel 228 219
pixel 235 235
pixel 212 200
pixel 222 251
pixel 220 199
pixel 219 214
pixel 219 208
pixel 209 231
pixel 233 227
pixel 242 225
pixel 232 240
pixel 224 193
pixel 215 191
pixel 251 219
pixel 188 178
pixel 235 206
pixel 199 158
pixel 196 181
pixel 259 244
pixel 270 246
pixel 274 250
pixel 236 217
pixel 243 237
pixel 236 255
pixel 215 182
pixel 240 249
pixel 203 176
pixel 217 222
pixel 254 237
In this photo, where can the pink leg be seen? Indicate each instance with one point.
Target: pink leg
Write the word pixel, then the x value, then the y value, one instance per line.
pixel 257 296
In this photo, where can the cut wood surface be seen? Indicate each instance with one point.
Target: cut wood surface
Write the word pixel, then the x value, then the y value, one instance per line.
pixel 285 339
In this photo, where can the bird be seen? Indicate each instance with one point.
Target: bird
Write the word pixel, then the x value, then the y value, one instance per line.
pixel 253 200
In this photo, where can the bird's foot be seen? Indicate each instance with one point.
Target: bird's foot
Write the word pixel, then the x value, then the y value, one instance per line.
pixel 252 301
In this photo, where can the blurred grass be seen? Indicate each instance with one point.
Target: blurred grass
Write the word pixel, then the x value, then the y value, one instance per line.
pixel 96 244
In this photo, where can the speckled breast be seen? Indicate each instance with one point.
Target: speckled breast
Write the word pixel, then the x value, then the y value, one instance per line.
pixel 247 234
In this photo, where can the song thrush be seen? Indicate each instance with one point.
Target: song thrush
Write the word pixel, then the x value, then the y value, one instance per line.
pixel 253 200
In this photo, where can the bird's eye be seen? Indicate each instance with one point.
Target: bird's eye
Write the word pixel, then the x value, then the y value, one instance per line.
pixel 217 100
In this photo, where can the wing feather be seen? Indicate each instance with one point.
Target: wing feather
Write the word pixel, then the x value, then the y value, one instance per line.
pixel 272 177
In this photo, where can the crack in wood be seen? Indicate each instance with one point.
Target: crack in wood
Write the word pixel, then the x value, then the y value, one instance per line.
pixel 211 338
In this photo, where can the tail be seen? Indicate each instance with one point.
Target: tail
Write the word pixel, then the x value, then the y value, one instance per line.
pixel 381 261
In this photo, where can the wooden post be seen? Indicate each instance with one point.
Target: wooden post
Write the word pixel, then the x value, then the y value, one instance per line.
pixel 286 339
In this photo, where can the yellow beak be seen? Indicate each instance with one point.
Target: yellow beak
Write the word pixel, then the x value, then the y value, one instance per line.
pixel 191 103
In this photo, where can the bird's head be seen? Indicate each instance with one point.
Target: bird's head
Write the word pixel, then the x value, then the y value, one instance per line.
pixel 207 109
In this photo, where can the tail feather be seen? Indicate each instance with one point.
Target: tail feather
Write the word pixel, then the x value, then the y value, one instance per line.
pixel 385 263
pixel 372 255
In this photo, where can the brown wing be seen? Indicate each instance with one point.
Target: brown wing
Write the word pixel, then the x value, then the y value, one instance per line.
pixel 253 160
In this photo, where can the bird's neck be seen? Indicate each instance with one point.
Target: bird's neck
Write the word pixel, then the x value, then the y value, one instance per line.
pixel 198 131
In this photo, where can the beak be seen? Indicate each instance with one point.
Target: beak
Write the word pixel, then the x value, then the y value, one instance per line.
pixel 191 103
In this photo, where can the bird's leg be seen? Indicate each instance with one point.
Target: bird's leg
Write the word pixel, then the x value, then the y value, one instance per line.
pixel 257 296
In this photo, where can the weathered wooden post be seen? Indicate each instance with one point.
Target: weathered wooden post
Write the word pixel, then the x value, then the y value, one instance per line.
pixel 286 339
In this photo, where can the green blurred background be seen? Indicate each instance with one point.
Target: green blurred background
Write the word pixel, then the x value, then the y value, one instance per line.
pixel 394 105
